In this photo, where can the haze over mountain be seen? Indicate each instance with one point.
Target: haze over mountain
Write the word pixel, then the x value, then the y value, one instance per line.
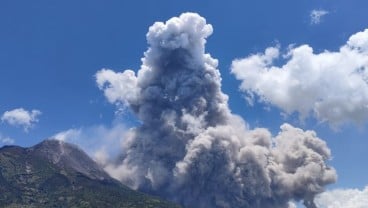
pixel 58 174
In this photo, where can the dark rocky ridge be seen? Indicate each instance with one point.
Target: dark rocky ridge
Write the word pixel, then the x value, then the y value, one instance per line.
pixel 58 174
pixel 69 156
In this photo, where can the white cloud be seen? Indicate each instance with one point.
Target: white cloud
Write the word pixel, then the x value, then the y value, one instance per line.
pixel 21 117
pixel 118 87
pixel 332 86
pixel 316 16
pixel 292 205
pixel 6 140
pixel 343 198
pixel 100 142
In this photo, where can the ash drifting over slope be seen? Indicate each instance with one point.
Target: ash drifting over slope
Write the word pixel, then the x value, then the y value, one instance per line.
pixel 189 147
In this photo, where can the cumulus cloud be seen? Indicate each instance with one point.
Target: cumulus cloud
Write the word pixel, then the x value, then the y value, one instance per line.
pixel 330 85
pixel 189 147
pixel 316 16
pixel 101 142
pixel 21 117
pixel 118 87
pixel 343 198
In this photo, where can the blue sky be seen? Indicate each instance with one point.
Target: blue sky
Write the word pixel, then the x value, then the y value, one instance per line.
pixel 50 52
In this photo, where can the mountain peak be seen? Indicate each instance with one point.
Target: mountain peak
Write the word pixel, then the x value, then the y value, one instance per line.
pixel 69 156
pixel 58 174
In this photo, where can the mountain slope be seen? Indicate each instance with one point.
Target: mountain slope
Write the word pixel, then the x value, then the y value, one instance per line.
pixel 58 174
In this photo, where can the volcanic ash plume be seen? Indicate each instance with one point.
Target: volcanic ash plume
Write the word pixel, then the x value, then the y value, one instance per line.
pixel 189 147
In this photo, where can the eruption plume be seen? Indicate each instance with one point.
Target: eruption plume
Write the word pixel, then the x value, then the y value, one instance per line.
pixel 189 147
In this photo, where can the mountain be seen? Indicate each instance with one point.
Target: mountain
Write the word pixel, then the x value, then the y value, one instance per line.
pixel 58 174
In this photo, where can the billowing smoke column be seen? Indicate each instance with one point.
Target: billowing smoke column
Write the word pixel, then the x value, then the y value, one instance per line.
pixel 190 148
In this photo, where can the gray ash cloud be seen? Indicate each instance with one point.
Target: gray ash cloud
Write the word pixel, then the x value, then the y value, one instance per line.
pixel 189 147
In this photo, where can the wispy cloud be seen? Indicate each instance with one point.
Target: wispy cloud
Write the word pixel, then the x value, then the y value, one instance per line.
pixel 4 140
pixel 316 16
pixel 21 118
pixel 100 142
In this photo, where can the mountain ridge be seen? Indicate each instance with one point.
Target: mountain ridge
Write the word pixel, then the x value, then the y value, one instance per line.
pixel 58 174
